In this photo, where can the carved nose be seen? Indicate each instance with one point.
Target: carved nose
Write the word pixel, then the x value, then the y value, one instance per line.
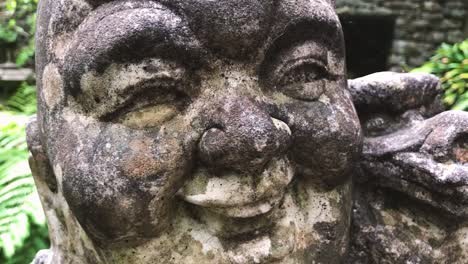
pixel 245 138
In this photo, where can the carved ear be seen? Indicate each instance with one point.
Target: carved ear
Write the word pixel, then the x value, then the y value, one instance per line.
pixel 38 161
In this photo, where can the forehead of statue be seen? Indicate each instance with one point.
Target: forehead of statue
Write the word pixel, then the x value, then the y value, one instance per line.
pixel 130 31
pixel 237 29
pixel 231 28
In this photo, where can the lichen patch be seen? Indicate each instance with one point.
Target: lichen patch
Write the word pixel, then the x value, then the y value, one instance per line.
pixel 52 86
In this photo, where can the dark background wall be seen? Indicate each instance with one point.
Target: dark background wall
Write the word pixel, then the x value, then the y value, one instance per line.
pixel 399 34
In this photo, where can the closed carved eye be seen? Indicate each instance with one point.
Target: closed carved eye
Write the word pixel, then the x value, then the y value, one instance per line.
pixel 152 113
pixel 144 95
pixel 149 116
pixel 305 72
pixel 301 71
pixel 303 79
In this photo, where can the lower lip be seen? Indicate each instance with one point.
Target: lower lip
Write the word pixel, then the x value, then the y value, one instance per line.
pixel 243 222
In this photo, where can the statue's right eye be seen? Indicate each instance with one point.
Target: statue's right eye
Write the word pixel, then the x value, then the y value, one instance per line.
pixel 150 116
pixel 153 110
pixel 138 95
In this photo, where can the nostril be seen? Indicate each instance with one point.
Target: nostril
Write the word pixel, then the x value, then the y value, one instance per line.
pixel 216 126
pixel 212 145
pixel 281 126
pixel 244 147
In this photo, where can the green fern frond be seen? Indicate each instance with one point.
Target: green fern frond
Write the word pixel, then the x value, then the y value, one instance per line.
pixel 20 209
pixel 23 101
pixel 16 187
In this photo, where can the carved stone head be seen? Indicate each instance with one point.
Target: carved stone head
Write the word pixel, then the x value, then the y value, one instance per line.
pixel 193 131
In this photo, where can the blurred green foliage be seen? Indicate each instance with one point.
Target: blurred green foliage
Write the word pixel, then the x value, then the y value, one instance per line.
pixel 17 27
pixel 23 229
pixel 451 64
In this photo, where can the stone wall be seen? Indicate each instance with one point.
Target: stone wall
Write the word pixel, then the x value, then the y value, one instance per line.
pixel 420 25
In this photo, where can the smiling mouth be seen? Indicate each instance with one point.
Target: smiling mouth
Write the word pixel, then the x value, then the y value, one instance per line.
pixel 249 210
pixel 240 196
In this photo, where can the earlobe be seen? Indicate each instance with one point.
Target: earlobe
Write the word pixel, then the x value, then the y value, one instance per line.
pixel 38 160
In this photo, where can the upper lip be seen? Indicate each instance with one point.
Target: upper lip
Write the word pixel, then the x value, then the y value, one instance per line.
pixel 239 195
pixel 249 210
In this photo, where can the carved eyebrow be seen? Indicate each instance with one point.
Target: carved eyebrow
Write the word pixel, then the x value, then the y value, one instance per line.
pixel 127 36
pixel 325 31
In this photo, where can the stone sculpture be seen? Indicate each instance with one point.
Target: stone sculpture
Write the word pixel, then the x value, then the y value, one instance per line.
pixel 195 131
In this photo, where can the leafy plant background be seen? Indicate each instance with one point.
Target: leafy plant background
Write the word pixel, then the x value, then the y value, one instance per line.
pixel 17 27
pixel 450 63
pixel 23 229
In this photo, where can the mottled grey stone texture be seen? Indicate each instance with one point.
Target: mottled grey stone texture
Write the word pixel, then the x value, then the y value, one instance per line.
pixel 226 132
pixel 411 185
pixel 411 188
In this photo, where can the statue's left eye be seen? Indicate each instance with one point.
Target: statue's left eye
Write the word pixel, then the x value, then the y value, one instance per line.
pixel 305 73
pixel 303 80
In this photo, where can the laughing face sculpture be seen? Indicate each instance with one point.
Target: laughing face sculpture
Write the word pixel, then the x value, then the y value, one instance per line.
pixel 195 131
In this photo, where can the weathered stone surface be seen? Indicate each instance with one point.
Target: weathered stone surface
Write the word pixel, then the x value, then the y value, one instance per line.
pixel 411 194
pixel 225 132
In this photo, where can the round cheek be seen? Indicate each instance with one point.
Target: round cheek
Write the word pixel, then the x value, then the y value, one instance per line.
pixel 148 159
pixel 120 182
pixel 327 138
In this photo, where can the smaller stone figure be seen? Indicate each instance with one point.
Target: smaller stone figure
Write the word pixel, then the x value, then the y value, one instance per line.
pixel 411 192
